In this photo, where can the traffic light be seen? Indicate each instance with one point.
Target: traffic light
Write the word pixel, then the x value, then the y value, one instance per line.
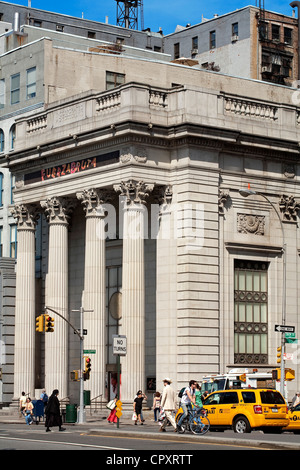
pixel 119 408
pixel 39 325
pixel 87 368
pixel 276 374
pixel 49 324
pixel 279 355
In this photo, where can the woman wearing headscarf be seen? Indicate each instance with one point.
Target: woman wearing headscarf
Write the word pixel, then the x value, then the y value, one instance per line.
pixel 52 411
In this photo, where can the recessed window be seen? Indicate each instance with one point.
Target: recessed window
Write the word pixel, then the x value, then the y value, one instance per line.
pixel 212 39
pixel 250 312
pixel 15 89
pixel 275 32
pixel 114 79
pixel 2 93
pixel 176 50
pixel 2 140
pixel 288 36
pixel 31 83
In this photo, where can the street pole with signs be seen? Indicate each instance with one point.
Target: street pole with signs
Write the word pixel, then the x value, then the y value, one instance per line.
pixel 119 349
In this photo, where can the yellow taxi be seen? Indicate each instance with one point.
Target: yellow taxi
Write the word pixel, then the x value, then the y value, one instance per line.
pixel 246 409
pixel 294 420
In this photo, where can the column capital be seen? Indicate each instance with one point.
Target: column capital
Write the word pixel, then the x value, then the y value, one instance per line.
pixel 58 210
pixel 135 192
pixel 91 200
pixel 26 216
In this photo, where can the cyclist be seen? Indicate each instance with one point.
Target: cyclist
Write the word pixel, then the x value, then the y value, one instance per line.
pixel 198 398
pixel 187 399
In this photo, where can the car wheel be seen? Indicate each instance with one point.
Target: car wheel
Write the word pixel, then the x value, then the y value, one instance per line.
pixel 241 425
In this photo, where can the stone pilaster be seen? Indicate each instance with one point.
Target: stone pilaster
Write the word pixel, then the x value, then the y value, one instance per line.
pixel 24 360
pixel 58 211
pixel 94 286
pixel 133 286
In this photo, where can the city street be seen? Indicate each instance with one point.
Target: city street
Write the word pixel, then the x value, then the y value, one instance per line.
pixel 146 441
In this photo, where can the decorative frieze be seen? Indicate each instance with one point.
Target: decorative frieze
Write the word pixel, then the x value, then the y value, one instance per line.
pixel 251 224
pixel 135 154
pixel 289 207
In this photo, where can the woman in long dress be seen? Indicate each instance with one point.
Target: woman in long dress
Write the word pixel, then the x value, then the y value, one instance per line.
pixel 52 411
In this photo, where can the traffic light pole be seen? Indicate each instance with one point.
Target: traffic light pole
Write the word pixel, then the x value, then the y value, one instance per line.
pixel 81 414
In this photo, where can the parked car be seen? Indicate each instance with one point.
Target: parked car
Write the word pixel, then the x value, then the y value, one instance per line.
pixel 246 409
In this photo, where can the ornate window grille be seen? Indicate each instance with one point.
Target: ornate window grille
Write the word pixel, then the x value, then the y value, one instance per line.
pixel 250 312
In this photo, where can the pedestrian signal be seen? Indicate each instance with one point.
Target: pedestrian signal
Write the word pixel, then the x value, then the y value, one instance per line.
pixel 39 325
pixel 49 324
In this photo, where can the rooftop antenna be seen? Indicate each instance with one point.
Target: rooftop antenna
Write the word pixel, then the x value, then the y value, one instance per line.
pixel 128 12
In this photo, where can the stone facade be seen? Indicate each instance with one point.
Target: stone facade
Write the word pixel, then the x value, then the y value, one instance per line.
pixel 144 180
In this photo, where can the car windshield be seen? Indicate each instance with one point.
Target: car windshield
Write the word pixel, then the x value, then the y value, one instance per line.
pixel 271 397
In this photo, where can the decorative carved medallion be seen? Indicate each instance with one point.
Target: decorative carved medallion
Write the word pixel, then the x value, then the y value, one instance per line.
pixel 253 224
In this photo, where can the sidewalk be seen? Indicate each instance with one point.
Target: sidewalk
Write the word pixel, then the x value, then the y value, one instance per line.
pixel 98 425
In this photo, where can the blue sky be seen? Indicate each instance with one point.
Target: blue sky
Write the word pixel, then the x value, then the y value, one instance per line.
pixel 166 14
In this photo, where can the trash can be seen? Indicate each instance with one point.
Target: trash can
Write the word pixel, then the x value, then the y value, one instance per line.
pixel 71 413
pixel 86 397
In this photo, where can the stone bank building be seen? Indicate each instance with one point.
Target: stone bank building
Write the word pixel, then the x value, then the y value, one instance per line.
pixel 131 172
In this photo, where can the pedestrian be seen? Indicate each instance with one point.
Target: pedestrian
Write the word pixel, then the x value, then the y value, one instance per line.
pixel 156 405
pixel 44 397
pixel 52 411
pixel 28 409
pixel 187 400
pixel 295 400
pixel 137 406
pixel 22 403
pixel 112 418
pixel 168 403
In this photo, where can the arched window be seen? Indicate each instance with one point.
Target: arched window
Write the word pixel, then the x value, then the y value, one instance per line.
pixel 12 136
pixel 1 140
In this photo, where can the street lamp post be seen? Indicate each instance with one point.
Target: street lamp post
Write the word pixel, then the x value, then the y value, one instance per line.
pixel 250 192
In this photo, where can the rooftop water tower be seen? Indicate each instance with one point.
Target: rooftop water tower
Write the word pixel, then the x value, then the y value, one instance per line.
pixel 128 13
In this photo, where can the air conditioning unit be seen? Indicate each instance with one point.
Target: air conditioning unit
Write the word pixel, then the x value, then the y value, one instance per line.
pixel 194 51
pixel 266 68
pixel 234 38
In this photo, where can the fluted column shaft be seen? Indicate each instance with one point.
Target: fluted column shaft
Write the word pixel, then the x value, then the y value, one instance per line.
pixel 133 288
pixel 24 359
pixel 94 287
pixel 56 344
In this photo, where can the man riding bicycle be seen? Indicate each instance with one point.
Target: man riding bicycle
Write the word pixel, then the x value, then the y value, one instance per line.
pixel 187 401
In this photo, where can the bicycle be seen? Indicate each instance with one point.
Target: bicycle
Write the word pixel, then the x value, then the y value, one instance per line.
pixel 196 421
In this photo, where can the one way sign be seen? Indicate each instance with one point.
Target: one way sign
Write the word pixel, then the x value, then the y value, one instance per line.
pixel 285 329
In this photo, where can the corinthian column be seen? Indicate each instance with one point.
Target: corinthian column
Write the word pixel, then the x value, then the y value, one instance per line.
pixel 94 286
pixel 58 211
pixel 133 286
pixel 24 361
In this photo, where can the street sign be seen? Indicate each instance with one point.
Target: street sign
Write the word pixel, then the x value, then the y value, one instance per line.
pixel 89 351
pixel 291 338
pixel 284 329
pixel 119 345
